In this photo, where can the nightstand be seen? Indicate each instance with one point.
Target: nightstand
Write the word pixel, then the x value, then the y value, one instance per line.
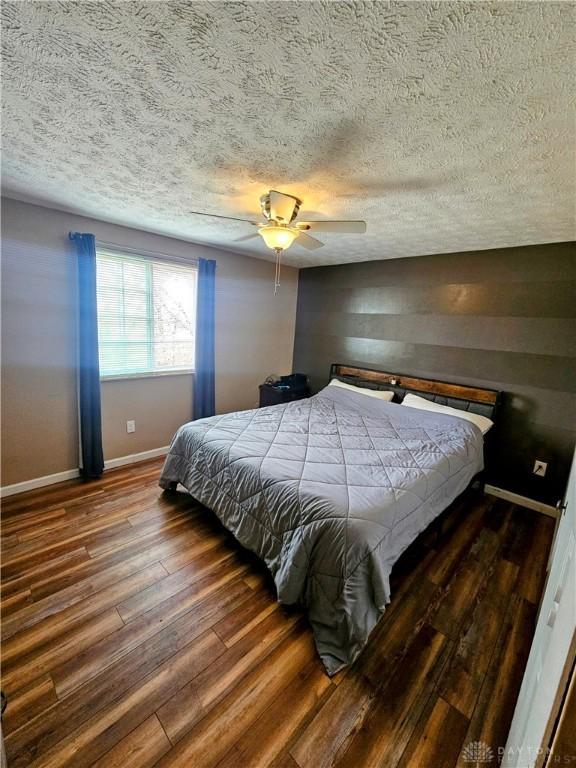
pixel 270 395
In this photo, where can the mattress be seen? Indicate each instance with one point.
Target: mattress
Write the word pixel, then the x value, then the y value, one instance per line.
pixel 329 492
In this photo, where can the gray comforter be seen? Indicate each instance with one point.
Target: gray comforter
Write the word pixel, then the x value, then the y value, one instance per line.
pixel 329 492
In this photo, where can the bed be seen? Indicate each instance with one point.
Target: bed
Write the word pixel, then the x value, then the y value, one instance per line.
pixel 329 491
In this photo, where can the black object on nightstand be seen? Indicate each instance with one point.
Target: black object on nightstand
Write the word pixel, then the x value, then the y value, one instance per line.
pixel 284 390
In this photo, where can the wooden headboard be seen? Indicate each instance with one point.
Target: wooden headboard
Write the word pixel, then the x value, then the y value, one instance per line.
pixel 488 397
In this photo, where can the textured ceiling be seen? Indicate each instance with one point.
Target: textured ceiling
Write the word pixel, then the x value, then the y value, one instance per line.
pixel 448 126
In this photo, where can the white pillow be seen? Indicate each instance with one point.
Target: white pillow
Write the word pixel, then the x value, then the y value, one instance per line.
pixel 378 393
pixel 482 422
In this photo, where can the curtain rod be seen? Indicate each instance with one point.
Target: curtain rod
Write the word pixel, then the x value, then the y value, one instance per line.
pixel 145 253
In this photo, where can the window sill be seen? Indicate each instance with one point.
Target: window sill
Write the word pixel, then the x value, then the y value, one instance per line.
pixel 147 375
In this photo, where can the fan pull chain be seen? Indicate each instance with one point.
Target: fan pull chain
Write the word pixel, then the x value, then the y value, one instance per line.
pixel 277 275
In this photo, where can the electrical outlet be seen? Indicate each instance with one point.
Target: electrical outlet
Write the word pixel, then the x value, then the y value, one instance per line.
pixel 540 468
pixel 131 426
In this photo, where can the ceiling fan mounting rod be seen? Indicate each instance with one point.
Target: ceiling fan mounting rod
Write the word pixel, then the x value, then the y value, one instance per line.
pixel 280 207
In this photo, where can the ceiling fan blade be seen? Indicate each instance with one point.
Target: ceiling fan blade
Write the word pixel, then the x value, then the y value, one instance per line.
pixel 282 206
pixel 356 227
pixel 310 243
pixel 251 236
pixel 218 216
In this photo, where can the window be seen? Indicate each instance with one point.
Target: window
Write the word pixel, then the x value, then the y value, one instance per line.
pixel 146 314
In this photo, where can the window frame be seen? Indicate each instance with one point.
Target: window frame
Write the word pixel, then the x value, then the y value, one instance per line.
pixel 104 248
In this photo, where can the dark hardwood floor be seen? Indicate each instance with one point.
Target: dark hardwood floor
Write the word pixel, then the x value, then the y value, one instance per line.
pixel 136 632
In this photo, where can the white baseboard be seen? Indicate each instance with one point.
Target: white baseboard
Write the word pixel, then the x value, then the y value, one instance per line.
pixel 38 482
pixel 70 474
pixel 523 501
pixel 133 458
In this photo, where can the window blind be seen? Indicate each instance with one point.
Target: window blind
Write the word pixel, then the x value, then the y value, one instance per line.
pixel 146 314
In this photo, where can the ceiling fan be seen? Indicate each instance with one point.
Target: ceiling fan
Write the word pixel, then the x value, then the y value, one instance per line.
pixel 280 231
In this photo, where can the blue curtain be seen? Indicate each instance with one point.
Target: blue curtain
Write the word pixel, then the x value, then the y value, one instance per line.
pixel 92 458
pixel 204 392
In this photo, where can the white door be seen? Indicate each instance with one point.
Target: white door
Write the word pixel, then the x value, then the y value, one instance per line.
pixel 552 648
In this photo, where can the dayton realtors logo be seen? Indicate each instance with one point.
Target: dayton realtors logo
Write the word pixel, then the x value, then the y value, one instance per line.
pixel 482 755
pixel 477 752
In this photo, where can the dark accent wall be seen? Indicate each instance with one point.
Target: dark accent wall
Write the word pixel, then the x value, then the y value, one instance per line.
pixel 502 318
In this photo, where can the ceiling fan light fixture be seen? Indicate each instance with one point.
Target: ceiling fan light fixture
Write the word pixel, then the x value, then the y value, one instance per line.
pixel 279 232
pixel 278 237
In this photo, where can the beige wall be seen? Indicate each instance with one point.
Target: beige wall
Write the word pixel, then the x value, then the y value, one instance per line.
pixel 158 405
pixel 254 337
